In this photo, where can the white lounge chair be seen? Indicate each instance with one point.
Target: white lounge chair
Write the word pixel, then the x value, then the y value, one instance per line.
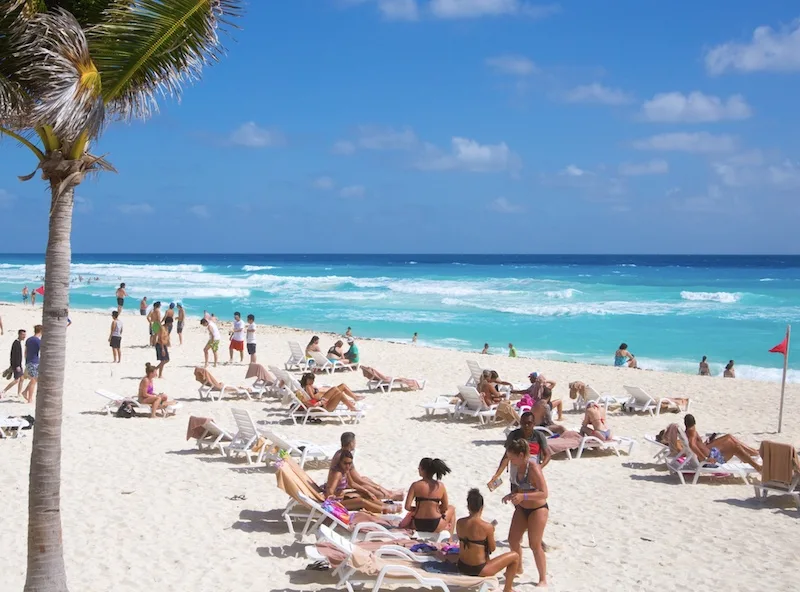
pixel 302 449
pixel 641 402
pixel 769 484
pixel 246 438
pixel 592 395
pixel 298 411
pixel 663 451
pixel 10 427
pixel 474 405
pixel 213 390
pixel 316 515
pixel 323 364
pixel 297 358
pixel 475 373
pixel 440 403
pixel 214 437
pixel 113 401
pixel 386 384
pixel 687 463
pixel 616 445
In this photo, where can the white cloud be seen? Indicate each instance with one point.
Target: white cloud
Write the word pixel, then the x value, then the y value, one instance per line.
pixel 503 206
pixel 572 170
pixel 652 167
pixel 707 203
pixel 343 147
pixel 751 171
pixel 769 50
pixel 353 191
pixel 785 174
pixel 469 155
pixel 136 208
pixel 675 107
pixel 252 135
pixel 698 142
pixel 513 65
pixel 459 9
pixel 399 10
pixel 324 183
pixel 82 204
pixel 200 211
pixel 597 93
pixel 386 138
pixel 7 198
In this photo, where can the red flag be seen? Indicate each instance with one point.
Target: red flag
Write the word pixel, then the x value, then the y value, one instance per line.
pixel 40 290
pixel 781 347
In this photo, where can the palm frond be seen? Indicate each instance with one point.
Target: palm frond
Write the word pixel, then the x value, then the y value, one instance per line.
pixel 148 48
pixel 57 70
pixel 13 103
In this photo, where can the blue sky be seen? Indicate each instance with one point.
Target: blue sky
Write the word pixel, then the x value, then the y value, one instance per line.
pixel 459 126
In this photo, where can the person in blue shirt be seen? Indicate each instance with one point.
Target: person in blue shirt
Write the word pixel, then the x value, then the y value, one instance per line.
pixel 32 347
pixel 352 353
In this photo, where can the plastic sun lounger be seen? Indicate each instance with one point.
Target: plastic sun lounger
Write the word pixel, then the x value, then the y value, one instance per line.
pixel 213 390
pixel 474 405
pixel 10 427
pixel 663 453
pixel 297 358
pixel 475 373
pixel 214 437
pixel 687 463
pixel 790 487
pixel 113 401
pixel 298 411
pixel 389 383
pixel 440 403
pixel 246 438
pixel 323 364
pixel 616 445
pixel 317 515
pixel 604 400
pixel 302 449
pixel 641 402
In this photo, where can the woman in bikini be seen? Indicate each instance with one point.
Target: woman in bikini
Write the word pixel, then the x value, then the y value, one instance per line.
pixel 704 370
pixel 427 498
pixel 313 346
pixel 594 422
pixel 329 398
pixel 487 387
pixel 529 496
pixel 729 371
pixel 476 543
pixel 147 395
pixel 349 493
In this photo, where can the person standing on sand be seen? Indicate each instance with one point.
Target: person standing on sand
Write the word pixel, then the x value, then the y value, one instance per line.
pixel 143 307
pixel 169 317
pixel 33 298
pixel 704 370
pixel 349 332
pixel 115 337
pixel 32 347
pixel 251 337
pixel 181 320
pixel 121 294
pixel 729 370
pixel 512 351
pixel 213 341
pixel 414 338
pixel 25 295
pixel 162 349
pixel 237 337
pixel 485 350
pixel 154 318
pixel 17 363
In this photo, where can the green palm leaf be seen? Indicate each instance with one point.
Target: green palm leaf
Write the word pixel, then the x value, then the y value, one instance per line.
pixel 153 47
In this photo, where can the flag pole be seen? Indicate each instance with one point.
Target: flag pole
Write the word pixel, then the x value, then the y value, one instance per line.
pixel 783 382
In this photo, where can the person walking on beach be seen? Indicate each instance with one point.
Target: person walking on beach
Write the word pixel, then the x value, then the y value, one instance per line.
pixel 115 337
pixel 25 295
pixel 33 298
pixel 251 337
pixel 162 349
pixel 17 371
pixel 32 347
pixel 154 318
pixel 121 294
pixel 237 337
pixel 181 320
pixel 169 317
pixel 414 338
pixel 213 341
pixel 512 351
pixel 143 307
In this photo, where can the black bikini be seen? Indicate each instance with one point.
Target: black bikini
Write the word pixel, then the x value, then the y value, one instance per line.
pixel 526 486
pixel 473 570
pixel 427 524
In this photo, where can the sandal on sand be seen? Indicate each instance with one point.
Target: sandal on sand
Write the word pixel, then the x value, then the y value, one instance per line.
pixel 238 498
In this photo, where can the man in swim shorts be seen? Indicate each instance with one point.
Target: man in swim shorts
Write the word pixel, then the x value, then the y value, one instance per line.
pixel 237 337
pixel 121 294
pixel 251 337
pixel 181 320
pixel 213 341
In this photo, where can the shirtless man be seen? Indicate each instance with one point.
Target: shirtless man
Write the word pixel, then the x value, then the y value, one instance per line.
pixel 594 422
pixel 25 295
pixel 154 318
pixel 143 307
pixel 181 321
pixel 121 294
pixel 542 414
pixel 162 349
pixel 718 449
pixel 348 441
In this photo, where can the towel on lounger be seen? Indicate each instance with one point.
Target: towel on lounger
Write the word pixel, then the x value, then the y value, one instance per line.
pixel 779 462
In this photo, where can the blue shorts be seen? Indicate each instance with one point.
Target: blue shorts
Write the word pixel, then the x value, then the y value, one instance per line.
pixel 715 454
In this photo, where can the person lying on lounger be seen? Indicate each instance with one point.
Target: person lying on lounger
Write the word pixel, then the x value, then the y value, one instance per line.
pixel 348 441
pixel 342 486
pixel 476 544
pixel 542 414
pixel 487 387
pixel 327 398
pixel 427 504
pixel 373 374
pixel 594 422
pixel 147 395
pixel 718 449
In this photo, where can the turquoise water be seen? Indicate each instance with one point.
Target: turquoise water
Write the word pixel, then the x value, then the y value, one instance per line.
pixel 670 310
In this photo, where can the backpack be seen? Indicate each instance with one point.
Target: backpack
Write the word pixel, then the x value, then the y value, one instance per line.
pixel 126 410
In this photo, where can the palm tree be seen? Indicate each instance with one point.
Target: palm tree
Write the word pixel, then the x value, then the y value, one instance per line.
pixel 67 69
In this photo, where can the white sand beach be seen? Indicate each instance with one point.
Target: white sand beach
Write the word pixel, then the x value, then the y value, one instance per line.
pixel 143 510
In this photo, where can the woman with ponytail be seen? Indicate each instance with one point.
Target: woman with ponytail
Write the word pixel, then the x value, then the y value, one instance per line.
pixel 529 496
pixel 427 501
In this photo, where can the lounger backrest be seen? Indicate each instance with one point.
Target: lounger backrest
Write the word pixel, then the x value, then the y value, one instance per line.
pixel 320 360
pixel 278 440
pixel 318 507
pixel 336 539
pixel 691 457
pixel 245 424
pixel 475 370
pixel 590 394
pixel 639 396
pixel 368 373
pixel 472 398
pixel 297 351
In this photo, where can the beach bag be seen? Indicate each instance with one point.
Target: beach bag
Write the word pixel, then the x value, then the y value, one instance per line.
pixel 525 401
pixel 30 420
pixel 126 410
pixel 334 507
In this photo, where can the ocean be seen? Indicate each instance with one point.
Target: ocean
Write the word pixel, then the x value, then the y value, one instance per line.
pixel 671 310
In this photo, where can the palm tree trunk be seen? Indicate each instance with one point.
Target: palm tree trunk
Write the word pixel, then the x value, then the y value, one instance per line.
pixel 46 571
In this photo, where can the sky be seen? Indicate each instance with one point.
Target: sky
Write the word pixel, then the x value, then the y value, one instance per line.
pixel 458 126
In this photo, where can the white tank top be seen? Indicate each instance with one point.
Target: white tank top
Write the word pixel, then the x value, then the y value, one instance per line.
pixel 117 332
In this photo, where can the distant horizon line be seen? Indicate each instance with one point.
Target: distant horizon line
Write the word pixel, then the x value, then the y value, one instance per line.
pixel 329 254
